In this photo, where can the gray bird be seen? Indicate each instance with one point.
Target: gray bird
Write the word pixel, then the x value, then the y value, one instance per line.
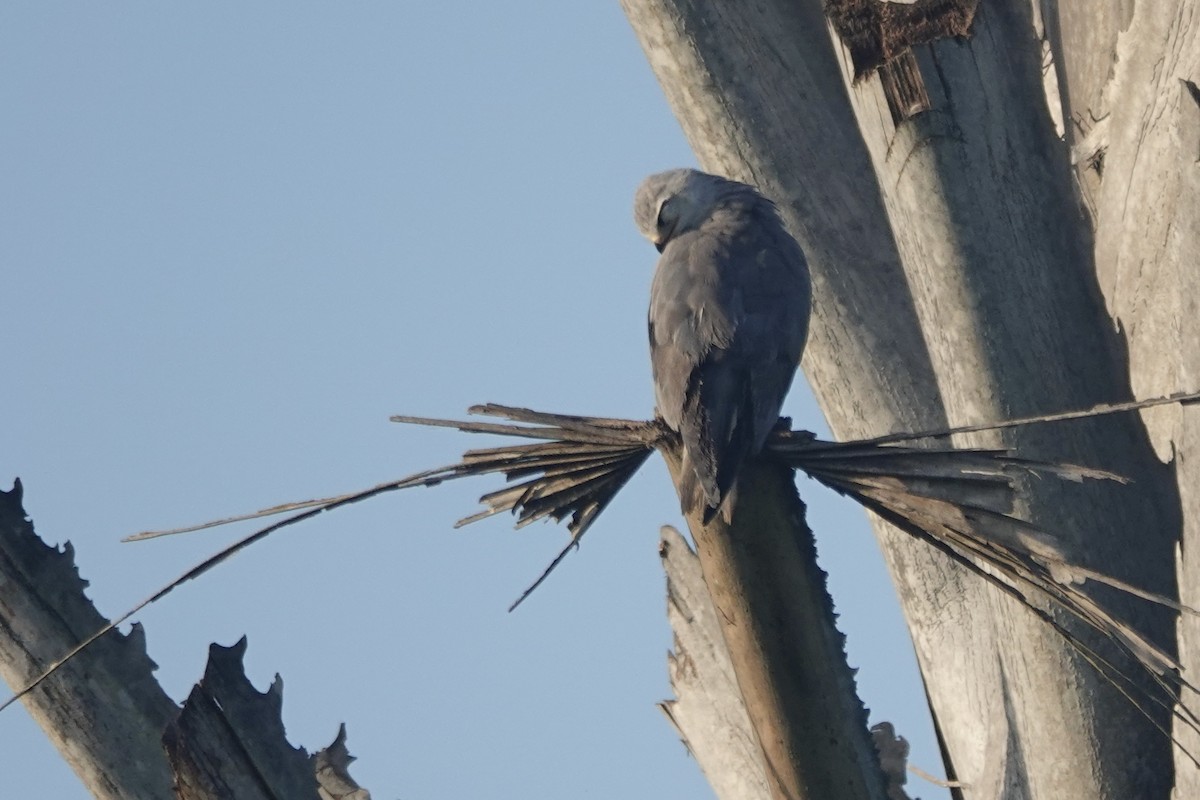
pixel 729 310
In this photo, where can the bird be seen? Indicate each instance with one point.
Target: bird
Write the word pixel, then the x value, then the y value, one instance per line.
pixel 728 321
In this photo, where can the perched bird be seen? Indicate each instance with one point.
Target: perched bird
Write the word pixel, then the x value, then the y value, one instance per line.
pixel 729 309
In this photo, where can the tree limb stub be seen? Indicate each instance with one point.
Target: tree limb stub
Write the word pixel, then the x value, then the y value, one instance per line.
pixel 789 658
pixel 707 711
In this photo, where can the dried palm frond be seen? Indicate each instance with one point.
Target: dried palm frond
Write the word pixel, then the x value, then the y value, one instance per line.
pixel 958 500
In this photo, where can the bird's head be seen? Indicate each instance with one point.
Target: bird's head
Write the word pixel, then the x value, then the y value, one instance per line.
pixel 670 203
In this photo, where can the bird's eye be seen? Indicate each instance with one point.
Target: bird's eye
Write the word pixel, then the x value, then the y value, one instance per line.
pixel 664 214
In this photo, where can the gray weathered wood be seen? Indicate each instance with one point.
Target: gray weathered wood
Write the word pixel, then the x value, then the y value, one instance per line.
pixel 104 711
pixel 110 719
pixel 788 657
pixel 332 768
pixel 707 711
pixel 1128 80
pixel 228 740
pixel 1000 259
pixel 954 278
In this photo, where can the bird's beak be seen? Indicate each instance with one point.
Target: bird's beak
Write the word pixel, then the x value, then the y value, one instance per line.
pixel 660 241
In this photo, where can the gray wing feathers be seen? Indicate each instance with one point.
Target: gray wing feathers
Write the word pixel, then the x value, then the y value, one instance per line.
pixel 728 321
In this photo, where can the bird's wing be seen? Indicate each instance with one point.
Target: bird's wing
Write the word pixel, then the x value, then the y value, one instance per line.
pixel 728 320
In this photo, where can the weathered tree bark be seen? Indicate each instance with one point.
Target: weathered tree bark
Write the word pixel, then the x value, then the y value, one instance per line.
pixel 707 711
pixel 104 711
pixel 955 280
pixel 108 716
pixel 1129 76
pixel 789 659
pixel 228 741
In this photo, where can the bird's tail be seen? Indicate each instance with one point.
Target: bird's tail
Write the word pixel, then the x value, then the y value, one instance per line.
pixel 693 498
pixel 694 495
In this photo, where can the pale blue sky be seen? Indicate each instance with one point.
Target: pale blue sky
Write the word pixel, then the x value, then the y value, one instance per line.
pixel 235 238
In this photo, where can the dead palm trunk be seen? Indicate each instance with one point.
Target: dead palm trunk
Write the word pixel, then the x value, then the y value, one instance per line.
pixel 958 278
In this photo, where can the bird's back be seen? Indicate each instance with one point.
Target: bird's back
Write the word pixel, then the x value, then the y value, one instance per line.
pixel 728 322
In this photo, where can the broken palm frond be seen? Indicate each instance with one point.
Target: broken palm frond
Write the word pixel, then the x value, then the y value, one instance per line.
pixel 577 474
pixel 1099 410
pixel 428 478
pixel 956 500
pixel 282 508
pixel 960 502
